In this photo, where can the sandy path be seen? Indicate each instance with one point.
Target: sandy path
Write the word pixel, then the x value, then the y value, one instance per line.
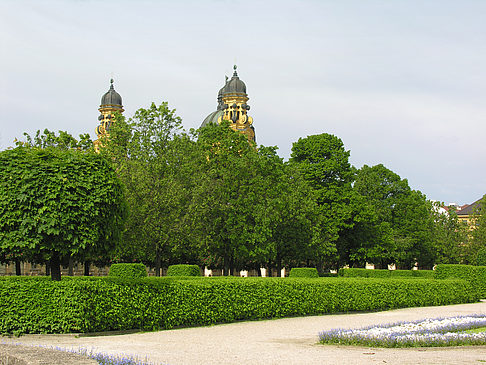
pixel 281 341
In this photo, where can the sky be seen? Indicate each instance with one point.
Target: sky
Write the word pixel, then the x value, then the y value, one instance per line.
pixel 402 82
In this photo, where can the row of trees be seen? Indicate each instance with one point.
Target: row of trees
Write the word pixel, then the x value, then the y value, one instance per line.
pixel 212 198
pixel 159 195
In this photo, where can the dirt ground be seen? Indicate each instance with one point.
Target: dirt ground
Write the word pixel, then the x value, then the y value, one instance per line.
pixel 280 341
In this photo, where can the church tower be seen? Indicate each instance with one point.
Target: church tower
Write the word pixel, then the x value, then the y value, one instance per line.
pixel 111 103
pixel 232 106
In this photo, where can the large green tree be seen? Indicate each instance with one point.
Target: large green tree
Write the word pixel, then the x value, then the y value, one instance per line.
pixel 155 161
pixel 226 204
pixel 59 203
pixel 324 164
pixel 249 208
pixel 400 230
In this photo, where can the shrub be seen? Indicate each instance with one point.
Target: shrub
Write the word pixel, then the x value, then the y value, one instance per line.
pixel 476 275
pixel 363 273
pixel 481 257
pixel 95 304
pixel 303 272
pixel 369 273
pixel 183 270
pixel 128 271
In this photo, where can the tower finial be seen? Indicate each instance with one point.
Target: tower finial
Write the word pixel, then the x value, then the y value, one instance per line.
pixel 235 73
pixel 111 82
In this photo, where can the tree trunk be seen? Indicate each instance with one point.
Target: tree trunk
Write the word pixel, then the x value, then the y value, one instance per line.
pixel 18 272
pixel 232 267
pixel 55 264
pixel 269 270
pixel 158 260
pixel 320 265
pixel 279 266
pixel 71 267
pixel 86 268
pixel 48 269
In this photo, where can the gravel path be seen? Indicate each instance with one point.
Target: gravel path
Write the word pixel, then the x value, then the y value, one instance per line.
pixel 281 341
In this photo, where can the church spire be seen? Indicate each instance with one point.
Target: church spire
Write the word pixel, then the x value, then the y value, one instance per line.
pixel 111 102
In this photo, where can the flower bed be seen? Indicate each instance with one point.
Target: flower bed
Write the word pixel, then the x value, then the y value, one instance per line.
pixel 424 333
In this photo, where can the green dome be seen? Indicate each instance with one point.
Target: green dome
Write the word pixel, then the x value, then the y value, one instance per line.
pixel 234 86
pixel 111 97
pixel 212 118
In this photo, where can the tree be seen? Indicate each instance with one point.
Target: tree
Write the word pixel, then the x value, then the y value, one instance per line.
pixel 450 235
pixel 63 141
pixel 58 203
pixel 477 237
pixel 152 158
pixel 324 164
pixel 400 231
pixel 227 201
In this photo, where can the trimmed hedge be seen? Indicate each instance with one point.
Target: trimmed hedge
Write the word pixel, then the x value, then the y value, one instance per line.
pixel 303 272
pixel 128 271
pixel 102 304
pixel 376 273
pixel 183 270
pixel 476 275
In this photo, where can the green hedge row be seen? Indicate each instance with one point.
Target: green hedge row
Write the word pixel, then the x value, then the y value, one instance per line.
pixel 128 271
pixel 476 275
pixel 183 270
pixel 303 272
pixel 32 305
pixel 368 273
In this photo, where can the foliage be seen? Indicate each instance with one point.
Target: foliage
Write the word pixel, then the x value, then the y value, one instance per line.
pixel 128 271
pixel 33 305
pixel 478 232
pixel 324 164
pixel 303 272
pixel 155 163
pixel 481 257
pixel 476 275
pixel 58 203
pixel 377 273
pixel 64 141
pixel 249 208
pixel 183 270
pixel 450 236
pixel 401 227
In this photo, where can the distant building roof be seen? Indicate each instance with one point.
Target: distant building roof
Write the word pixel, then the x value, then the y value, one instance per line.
pixel 469 209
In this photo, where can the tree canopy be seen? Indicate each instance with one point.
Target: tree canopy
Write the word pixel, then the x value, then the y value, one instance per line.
pixel 58 203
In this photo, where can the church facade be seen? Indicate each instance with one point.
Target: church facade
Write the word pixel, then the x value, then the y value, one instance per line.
pixel 233 107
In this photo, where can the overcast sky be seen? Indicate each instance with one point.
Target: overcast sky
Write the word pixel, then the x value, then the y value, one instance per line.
pixel 402 83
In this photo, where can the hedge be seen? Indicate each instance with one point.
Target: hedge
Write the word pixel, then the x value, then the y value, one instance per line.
pixel 102 304
pixel 369 273
pixel 476 275
pixel 128 271
pixel 183 270
pixel 303 272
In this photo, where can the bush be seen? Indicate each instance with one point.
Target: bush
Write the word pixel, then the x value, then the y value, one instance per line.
pixel 81 304
pixel 183 270
pixel 303 272
pixel 481 257
pixel 476 275
pixel 128 271
pixel 369 273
